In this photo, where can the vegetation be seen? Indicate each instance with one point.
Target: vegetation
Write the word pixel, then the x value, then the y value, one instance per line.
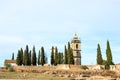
pixel 84 67
pixel 109 54
pixel 107 62
pixel 56 56
pixel 26 58
pixel 70 55
pixel 29 57
pixel 19 58
pixel 11 69
pixel 12 56
pixel 60 58
pixel 42 56
pixel 39 58
pixel 52 56
pixel 34 57
pixel 65 56
pixel 99 56
pixel 6 65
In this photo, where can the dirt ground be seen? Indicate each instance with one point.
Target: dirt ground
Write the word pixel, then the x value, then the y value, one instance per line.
pixel 28 76
pixel 57 73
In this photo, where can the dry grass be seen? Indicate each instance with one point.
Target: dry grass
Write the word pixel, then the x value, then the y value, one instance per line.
pixel 51 73
pixel 28 76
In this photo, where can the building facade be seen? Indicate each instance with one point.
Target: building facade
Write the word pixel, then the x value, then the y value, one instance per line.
pixel 76 47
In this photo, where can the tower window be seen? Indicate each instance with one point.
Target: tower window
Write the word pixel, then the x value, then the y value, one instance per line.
pixel 76 46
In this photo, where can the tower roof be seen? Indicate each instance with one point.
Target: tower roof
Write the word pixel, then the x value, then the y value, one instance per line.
pixel 75 36
pixel 75 39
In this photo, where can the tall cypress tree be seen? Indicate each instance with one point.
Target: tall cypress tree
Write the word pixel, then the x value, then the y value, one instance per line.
pixel 65 56
pixel 71 56
pixel 99 56
pixel 21 51
pixel 52 56
pixel 30 58
pixel 34 56
pixel 56 56
pixel 12 56
pixel 68 53
pixel 26 56
pixel 109 54
pixel 19 57
pixel 60 58
pixel 18 60
pixel 42 56
pixel 39 58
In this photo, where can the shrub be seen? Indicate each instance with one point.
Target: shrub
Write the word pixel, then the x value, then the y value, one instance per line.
pixel 84 67
pixel 11 69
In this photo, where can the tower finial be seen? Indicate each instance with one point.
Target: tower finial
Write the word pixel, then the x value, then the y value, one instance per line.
pixel 75 37
pixel 75 34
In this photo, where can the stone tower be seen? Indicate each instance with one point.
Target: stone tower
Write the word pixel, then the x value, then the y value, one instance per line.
pixel 76 47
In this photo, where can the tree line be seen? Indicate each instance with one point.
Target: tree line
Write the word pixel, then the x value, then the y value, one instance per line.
pixel 28 57
pixel 59 58
pixel 109 60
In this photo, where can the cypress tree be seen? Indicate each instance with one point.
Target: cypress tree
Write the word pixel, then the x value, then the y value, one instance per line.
pixel 34 56
pixel 68 53
pixel 12 56
pixel 60 58
pixel 26 56
pixel 109 54
pixel 42 56
pixel 52 56
pixel 21 51
pixel 39 58
pixel 18 60
pixel 71 56
pixel 30 58
pixel 56 56
pixel 99 56
pixel 66 57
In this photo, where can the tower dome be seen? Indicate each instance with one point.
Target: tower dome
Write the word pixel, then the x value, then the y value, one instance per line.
pixel 75 39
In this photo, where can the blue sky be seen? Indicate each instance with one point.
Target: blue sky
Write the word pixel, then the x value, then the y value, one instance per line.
pixel 54 22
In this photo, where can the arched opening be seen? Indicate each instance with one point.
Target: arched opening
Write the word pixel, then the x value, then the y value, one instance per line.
pixel 76 46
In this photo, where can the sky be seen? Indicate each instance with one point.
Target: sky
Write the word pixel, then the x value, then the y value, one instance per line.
pixel 54 22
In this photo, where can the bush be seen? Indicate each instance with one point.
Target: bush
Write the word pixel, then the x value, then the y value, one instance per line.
pixel 84 67
pixel 11 69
